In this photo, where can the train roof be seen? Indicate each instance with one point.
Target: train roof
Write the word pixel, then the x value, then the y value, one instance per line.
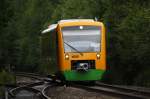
pixel 54 26
pixel 75 20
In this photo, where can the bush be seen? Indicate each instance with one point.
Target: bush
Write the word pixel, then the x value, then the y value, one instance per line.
pixel 6 78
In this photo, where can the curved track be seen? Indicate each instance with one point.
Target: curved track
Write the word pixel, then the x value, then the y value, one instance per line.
pixel 45 90
pixel 14 91
pixel 40 80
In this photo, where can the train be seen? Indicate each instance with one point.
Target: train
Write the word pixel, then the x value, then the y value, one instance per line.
pixel 75 49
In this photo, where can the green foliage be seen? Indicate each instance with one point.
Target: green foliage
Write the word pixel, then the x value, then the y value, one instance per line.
pixel 6 78
pixel 128 40
pixel 68 9
pixel 143 78
pixel 1 91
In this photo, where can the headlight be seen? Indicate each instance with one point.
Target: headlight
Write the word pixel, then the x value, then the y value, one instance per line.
pixel 98 56
pixel 66 56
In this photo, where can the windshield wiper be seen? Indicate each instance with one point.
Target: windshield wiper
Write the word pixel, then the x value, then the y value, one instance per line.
pixel 74 48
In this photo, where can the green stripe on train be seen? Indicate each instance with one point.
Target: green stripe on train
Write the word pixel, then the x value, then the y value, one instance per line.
pixel 91 74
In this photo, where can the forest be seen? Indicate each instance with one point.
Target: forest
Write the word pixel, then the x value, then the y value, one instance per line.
pixel 127 26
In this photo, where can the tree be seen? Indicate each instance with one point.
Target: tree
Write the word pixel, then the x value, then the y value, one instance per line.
pixel 127 25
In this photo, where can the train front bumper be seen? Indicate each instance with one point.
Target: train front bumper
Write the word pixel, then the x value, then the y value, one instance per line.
pixel 91 74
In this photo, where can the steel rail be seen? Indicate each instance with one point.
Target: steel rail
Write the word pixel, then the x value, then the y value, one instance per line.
pixel 30 89
pixel 110 91
pixel 13 91
pixel 45 89
pixel 38 77
pixel 125 89
pixel 44 92
pixel 27 73
pixel 34 76
pixel 29 86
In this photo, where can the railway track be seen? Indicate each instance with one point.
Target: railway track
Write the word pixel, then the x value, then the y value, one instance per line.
pixel 34 76
pixel 13 91
pixel 45 91
pixel 110 90
pixel 116 91
pixel 36 92
pixel 144 94
pixel 43 81
pixel 30 87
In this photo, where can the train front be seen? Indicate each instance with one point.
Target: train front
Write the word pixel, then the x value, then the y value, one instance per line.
pixel 82 54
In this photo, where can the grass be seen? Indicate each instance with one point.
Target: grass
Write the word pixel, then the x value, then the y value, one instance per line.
pixel 5 78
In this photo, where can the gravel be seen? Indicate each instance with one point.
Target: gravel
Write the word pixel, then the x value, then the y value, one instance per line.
pixel 62 92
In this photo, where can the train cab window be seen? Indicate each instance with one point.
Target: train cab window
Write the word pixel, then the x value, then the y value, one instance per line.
pixel 82 38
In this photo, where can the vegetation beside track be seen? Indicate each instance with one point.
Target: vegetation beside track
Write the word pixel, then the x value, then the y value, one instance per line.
pixel 1 91
pixel 5 78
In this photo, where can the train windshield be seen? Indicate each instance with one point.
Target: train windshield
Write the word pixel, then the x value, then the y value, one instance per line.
pixel 81 38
